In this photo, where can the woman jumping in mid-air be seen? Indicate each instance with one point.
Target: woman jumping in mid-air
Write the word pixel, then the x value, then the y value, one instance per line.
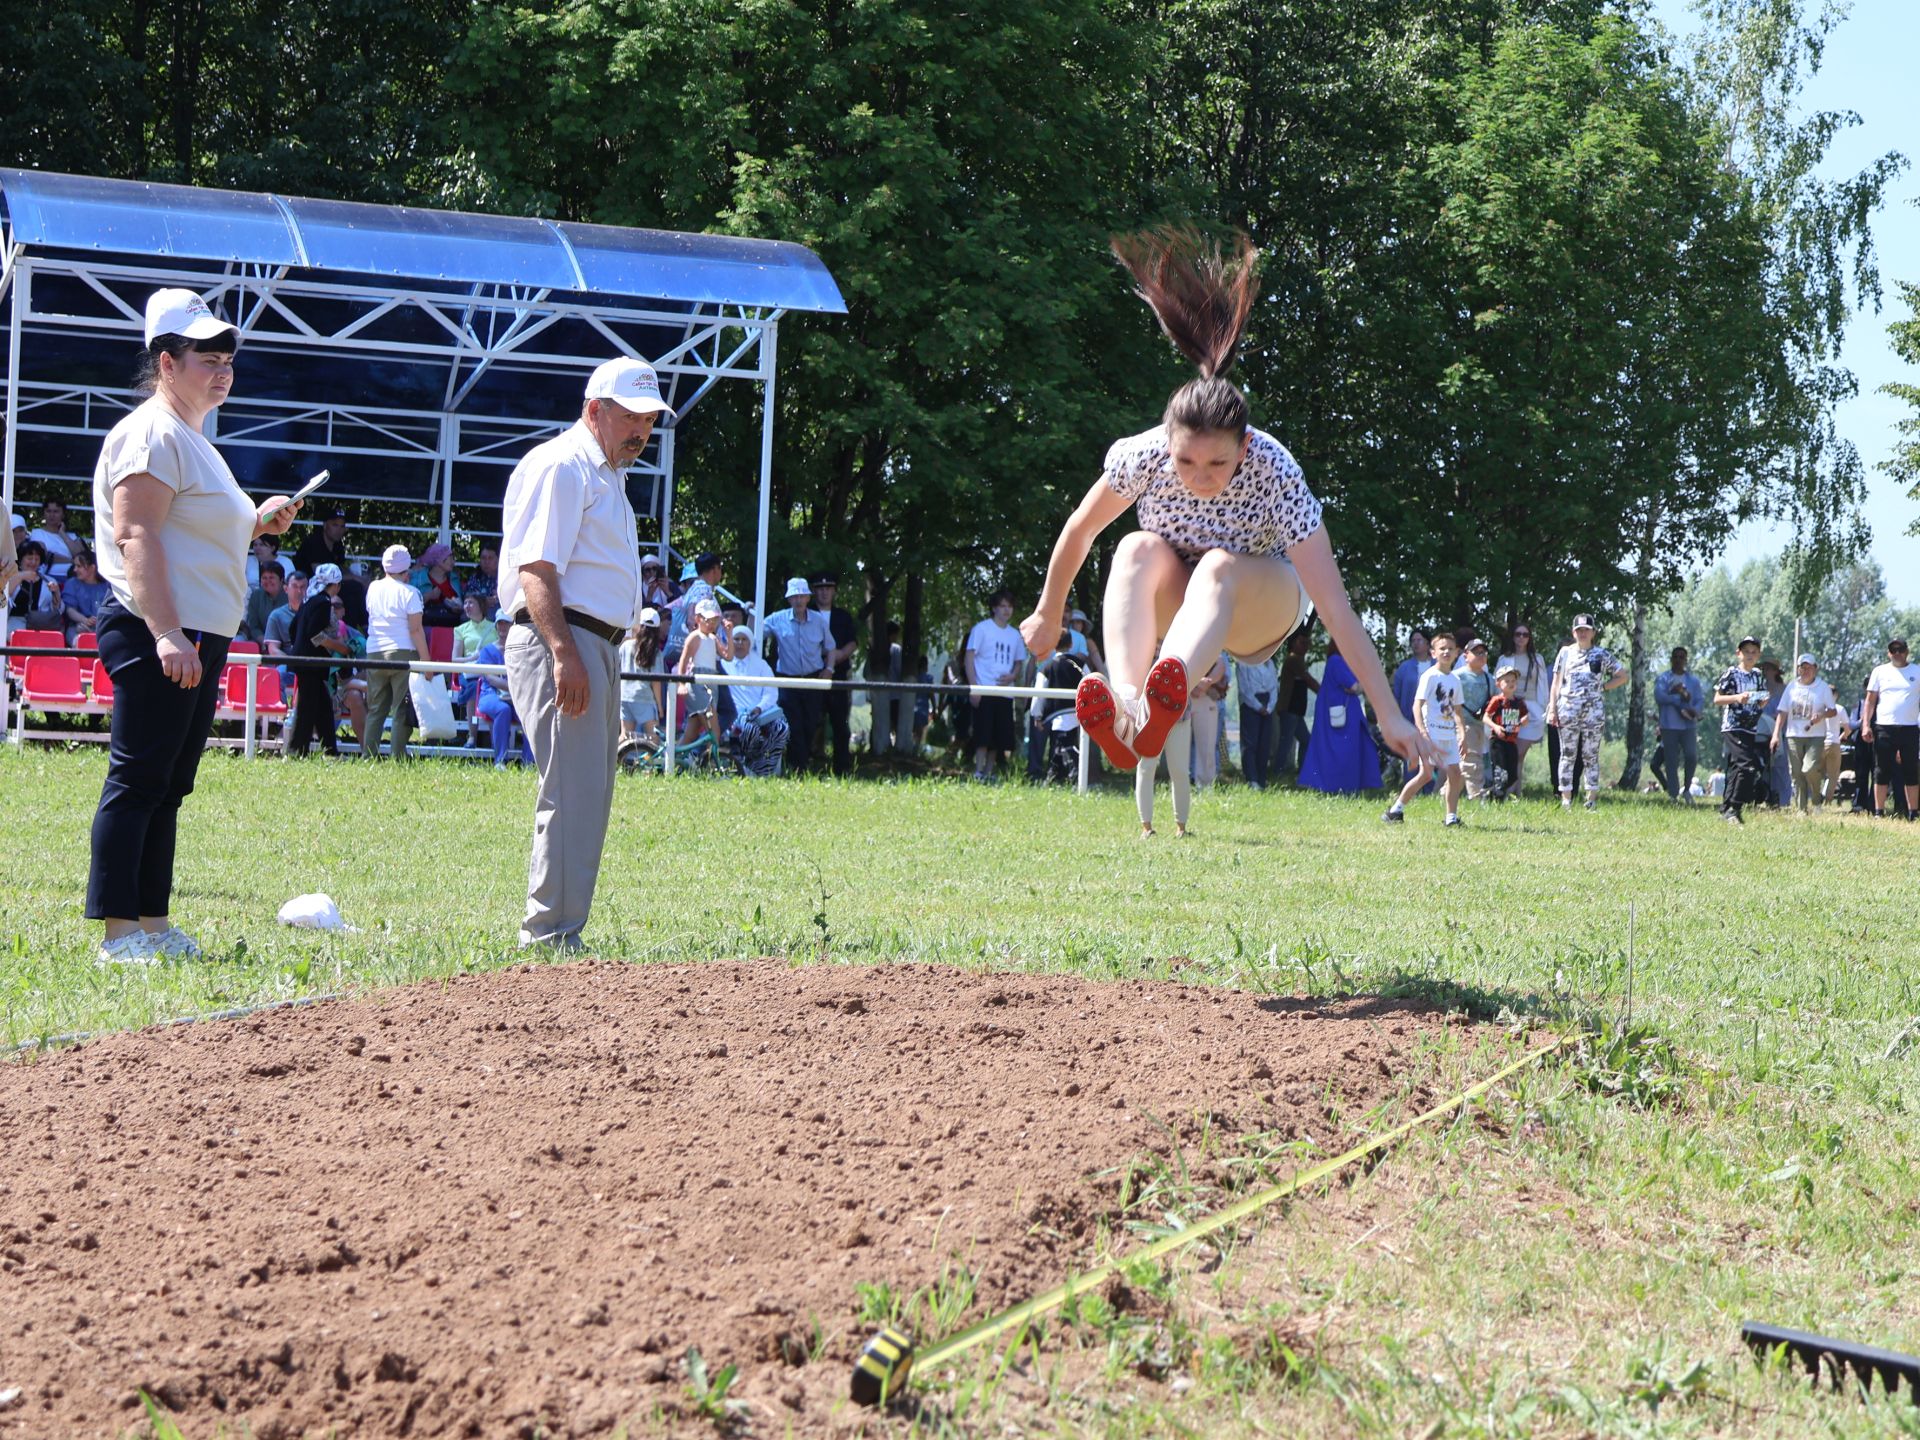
pixel 1229 536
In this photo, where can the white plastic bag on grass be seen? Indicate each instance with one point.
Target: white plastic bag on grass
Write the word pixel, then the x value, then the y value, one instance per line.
pixel 313 912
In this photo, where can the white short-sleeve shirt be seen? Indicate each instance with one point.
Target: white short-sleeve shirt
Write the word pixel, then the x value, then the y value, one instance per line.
pixel 1806 707
pixel 1438 694
pixel 998 651
pixel 1898 687
pixel 566 505
pixel 1265 509
pixel 208 526
pixel 389 603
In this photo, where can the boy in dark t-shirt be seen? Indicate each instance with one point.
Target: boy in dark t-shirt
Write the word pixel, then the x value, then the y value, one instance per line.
pixel 1506 712
pixel 1741 695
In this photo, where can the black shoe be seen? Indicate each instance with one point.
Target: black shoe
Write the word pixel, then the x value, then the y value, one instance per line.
pixel 1394 817
pixel 1732 817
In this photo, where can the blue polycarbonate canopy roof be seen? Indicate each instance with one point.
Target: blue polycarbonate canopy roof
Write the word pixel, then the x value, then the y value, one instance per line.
pixel 139 218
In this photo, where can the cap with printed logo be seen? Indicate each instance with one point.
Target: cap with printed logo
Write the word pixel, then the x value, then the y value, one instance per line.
pixel 1806 660
pixel 1583 622
pixel 630 384
pixel 183 313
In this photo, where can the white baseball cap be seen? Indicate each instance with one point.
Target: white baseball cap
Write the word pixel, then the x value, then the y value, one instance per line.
pixel 18 523
pixel 798 586
pixel 649 617
pixel 707 609
pixel 181 312
pixel 395 560
pixel 1806 660
pixel 630 384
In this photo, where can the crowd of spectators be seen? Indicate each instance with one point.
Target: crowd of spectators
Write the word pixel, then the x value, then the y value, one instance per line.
pixel 1786 740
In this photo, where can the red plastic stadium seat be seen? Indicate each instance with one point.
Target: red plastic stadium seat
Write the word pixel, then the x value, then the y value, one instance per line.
pixel 439 643
pixel 86 640
pixel 243 647
pixel 53 680
pixel 102 688
pixel 267 699
pixel 37 639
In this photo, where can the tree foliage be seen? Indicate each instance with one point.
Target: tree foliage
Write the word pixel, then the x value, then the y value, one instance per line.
pixel 1547 312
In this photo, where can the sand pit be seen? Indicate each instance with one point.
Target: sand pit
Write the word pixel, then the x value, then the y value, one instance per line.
pixel 507 1205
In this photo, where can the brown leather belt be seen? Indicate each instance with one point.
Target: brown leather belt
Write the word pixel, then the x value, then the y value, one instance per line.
pixel 612 634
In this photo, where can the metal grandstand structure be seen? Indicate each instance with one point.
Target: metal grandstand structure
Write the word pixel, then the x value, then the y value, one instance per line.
pixel 415 353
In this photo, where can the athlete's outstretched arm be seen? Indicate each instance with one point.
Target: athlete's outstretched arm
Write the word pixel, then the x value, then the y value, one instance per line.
pixel 1320 574
pixel 1101 507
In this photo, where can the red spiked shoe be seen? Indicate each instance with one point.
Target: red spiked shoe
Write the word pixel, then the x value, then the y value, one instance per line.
pixel 1167 696
pixel 1101 715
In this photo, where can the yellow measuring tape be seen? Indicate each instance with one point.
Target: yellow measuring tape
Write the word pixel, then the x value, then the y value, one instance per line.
pixel 887 1362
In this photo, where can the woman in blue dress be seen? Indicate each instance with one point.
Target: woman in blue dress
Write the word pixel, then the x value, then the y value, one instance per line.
pixel 1341 756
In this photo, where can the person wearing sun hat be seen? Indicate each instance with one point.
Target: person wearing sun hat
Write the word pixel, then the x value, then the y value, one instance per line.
pixel 1582 674
pixel 174 529
pixel 802 647
pixel 570 580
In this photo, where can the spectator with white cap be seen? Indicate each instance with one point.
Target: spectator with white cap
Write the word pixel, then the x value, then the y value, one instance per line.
pixel 802 647
pixel 570 580
pixel 174 528
pixel 1803 715
pixel 1582 674
pixel 707 641
pixel 396 630
pixel 758 737
pixel 1890 722
pixel 640 700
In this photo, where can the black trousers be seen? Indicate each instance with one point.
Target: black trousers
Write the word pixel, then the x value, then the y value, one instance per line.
pixel 1748 764
pixel 312 712
pixel 1256 745
pixel 839 713
pixel 159 734
pixel 802 709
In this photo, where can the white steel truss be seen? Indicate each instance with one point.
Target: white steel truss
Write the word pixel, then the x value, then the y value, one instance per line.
pixel 459 336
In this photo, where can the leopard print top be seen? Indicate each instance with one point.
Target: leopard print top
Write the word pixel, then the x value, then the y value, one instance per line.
pixel 1265 509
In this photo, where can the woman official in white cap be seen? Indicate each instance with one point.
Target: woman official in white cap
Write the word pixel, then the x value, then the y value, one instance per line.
pixel 1230 547
pixel 175 529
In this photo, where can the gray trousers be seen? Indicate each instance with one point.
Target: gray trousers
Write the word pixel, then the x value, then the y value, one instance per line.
pixel 1806 762
pixel 576 760
pixel 387 691
pixel 1473 755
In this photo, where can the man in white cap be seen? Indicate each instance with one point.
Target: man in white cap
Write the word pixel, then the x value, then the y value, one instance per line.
pixel 1582 674
pixel 396 630
pixel 570 578
pixel 802 646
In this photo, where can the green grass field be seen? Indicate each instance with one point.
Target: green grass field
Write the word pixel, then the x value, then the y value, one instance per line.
pixel 1575 1261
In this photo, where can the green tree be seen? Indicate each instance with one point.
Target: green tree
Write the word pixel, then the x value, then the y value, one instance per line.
pixel 1904 464
pixel 957 184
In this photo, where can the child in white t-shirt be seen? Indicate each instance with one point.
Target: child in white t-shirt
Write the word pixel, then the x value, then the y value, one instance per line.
pixel 1436 714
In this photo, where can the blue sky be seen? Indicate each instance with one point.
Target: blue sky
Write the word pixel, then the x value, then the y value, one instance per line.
pixel 1869 69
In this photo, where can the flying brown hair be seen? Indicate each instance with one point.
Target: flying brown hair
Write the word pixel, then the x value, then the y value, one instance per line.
pixel 1202 299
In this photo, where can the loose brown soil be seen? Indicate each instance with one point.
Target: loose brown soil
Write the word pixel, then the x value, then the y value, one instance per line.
pixel 507 1205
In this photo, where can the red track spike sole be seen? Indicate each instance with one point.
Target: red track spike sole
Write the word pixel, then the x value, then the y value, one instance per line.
pixel 1166 693
pixel 1096 709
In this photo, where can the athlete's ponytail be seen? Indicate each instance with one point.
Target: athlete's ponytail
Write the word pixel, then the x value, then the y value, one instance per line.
pixel 1202 300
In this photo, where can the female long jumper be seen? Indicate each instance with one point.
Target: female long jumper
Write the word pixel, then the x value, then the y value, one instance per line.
pixel 1231 547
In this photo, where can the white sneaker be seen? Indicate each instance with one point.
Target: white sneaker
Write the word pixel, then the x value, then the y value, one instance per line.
pixel 175 943
pixel 135 949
